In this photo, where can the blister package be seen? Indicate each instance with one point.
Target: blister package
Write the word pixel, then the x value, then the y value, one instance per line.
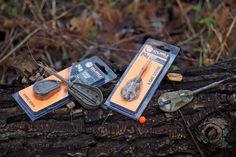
pixel 92 71
pixel 142 77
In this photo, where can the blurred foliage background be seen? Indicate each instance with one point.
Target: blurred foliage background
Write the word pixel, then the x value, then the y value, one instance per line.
pixel 67 31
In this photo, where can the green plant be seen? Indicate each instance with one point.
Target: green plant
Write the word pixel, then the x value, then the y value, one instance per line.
pixel 201 57
pixel 92 32
pixel 64 52
pixel 11 13
pixel 83 2
pixel 112 4
pixel 174 67
pixel 209 22
pixel 198 10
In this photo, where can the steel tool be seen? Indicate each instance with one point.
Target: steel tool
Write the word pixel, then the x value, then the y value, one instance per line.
pixel 132 89
pixel 172 101
pixel 44 89
pixel 88 96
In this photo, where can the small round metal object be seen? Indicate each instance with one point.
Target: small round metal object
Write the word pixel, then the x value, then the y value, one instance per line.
pixel 46 88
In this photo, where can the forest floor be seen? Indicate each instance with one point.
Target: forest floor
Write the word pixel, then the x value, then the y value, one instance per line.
pixel 59 33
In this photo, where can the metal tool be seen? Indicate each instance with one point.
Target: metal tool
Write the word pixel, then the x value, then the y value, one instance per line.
pixel 88 96
pixel 132 89
pixel 172 101
pixel 46 88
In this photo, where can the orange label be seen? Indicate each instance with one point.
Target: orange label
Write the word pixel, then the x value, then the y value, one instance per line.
pixel 35 104
pixel 148 77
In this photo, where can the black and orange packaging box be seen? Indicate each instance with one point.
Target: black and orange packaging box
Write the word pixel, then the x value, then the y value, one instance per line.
pixel 92 71
pixel 142 77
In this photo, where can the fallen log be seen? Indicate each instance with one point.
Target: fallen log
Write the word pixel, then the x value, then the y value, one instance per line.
pixel 210 120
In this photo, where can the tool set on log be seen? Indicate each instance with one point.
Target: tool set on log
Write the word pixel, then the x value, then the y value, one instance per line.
pixel 130 96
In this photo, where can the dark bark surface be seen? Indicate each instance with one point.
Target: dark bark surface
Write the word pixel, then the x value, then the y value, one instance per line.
pixel 210 117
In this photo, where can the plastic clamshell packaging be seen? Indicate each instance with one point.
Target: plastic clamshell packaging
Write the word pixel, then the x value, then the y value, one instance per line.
pixel 87 71
pixel 156 57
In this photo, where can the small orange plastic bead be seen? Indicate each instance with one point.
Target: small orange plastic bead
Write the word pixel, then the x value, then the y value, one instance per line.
pixel 142 120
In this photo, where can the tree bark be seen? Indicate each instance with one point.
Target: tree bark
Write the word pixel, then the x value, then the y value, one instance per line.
pixel 210 118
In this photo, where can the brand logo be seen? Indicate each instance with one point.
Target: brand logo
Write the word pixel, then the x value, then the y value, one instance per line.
pixel 96 72
pixel 149 49
pixel 89 64
pixel 161 54
pixel 79 67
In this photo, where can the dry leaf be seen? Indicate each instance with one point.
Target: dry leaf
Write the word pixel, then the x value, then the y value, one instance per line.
pixel 144 15
pixel 223 20
pixel 133 7
pixel 208 61
pixel 11 23
pixel 231 2
pixel 84 24
pixel 37 42
pixel 111 17
pixel 23 64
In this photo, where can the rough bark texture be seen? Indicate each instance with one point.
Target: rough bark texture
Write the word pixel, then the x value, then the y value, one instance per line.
pixel 210 117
